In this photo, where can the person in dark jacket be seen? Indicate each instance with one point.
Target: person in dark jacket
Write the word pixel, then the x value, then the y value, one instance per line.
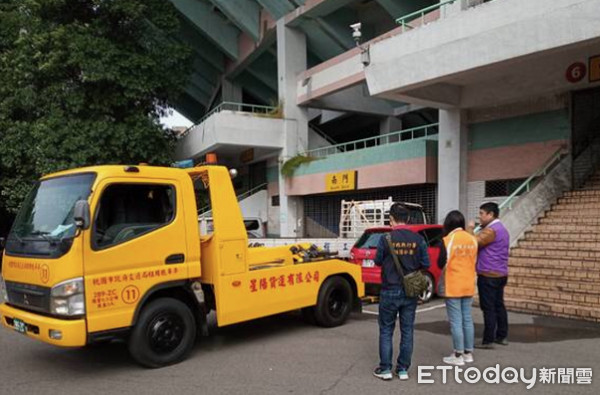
pixel 411 250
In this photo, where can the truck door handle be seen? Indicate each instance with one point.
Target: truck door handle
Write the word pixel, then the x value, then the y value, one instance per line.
pixel 175 258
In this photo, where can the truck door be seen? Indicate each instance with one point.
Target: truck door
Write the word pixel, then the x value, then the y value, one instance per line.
pixel 136 241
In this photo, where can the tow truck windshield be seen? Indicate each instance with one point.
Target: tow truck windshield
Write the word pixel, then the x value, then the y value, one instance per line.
pixel 44 225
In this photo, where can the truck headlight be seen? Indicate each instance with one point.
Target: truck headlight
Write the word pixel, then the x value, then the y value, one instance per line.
pixel 68 298
pixel 3 289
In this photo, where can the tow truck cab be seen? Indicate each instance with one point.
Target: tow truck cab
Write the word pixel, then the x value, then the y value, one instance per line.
pixel 114 252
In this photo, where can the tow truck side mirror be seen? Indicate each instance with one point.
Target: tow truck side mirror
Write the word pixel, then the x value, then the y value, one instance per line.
pixel 2 243
pixel 81 214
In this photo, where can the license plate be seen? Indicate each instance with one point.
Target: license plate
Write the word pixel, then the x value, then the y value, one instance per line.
pixel 368 263
pixel 20 326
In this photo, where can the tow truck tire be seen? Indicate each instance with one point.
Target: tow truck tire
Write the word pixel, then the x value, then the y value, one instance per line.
pixel 165 333
pixel 334 303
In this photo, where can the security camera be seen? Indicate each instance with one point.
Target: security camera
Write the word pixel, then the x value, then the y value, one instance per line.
pixel 356 33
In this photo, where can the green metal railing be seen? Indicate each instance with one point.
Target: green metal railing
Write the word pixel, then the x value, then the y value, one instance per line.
pixel 532 180
pixel 390 138
pixel 404 20
pixel 528 184
pixel 232 106
pixel 206 209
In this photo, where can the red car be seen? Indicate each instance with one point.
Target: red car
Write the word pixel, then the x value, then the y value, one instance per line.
pixel 364 251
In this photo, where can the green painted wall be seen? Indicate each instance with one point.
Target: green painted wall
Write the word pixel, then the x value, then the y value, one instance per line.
pixel 533 128
pixel 272 174
pixel 406 150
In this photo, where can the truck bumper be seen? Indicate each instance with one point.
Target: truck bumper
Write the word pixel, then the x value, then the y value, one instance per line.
pixel 73 332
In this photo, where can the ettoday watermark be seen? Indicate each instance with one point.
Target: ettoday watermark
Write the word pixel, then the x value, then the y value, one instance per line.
pixel 508 375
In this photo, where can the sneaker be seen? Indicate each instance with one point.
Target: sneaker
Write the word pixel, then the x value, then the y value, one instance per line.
pixel 502 342
pixel 485 346
pixel 468 358
pixel 383 374
pixel 402 374
pixel 454 360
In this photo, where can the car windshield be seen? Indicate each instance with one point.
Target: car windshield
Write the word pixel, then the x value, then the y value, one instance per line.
pixel 47 212
pixel 369 240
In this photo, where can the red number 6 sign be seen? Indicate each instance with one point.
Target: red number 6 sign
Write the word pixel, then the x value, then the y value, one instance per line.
pixel 576 72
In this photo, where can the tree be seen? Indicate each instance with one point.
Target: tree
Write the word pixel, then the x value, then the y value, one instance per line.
pixel 84 82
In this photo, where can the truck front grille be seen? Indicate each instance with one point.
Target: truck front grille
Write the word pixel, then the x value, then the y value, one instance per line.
pixel 28 297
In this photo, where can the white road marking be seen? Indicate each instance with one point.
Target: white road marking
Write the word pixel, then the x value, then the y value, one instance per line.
pixel 439 306
pixel 370 312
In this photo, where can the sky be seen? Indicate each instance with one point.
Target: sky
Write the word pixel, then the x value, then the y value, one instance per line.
pixel 175 119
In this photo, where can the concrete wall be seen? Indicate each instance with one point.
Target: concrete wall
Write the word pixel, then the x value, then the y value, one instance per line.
pixel 256 206
pixel 515 147
pixel 345 70
pixel 406 163
pixel 465 51
pixel 417 148
pixel 504 147
pixel 273 224
pixel 234 129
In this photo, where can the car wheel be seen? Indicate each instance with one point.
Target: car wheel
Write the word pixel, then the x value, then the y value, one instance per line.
pixel 334 303
pixel 164 334
pixel 428 293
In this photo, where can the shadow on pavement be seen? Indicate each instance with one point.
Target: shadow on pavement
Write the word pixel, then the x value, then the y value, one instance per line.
pixel 105 357
pixel 542 330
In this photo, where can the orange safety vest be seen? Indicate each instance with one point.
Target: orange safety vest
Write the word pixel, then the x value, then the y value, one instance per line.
pixel 458 276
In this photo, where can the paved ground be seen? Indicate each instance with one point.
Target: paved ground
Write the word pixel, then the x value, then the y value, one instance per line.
pixel 282 354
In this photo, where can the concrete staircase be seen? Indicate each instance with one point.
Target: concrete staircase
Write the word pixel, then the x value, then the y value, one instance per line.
pixel 555 268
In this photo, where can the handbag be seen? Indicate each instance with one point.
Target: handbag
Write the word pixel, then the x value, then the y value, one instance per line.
pixel 414 283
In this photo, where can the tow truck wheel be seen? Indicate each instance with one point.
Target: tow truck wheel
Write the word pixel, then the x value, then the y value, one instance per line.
pixel 164 335
pixel 334 302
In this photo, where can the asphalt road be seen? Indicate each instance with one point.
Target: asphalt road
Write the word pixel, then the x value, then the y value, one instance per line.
pixel 283 355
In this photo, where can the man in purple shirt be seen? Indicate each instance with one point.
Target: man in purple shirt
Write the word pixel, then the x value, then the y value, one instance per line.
pixel 492 275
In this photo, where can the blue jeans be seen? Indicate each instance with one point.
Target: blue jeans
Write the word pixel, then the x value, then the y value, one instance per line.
pixel 461 323
pixel 394 303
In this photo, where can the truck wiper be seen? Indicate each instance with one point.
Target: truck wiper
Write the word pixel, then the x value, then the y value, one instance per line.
pixel 16 236
pixel 45 236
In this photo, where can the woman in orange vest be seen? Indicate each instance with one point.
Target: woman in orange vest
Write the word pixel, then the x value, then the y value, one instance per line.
pixel 457 285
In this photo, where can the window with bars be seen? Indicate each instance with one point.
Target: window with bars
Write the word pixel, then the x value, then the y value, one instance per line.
pixel 498 188
pixel 275 201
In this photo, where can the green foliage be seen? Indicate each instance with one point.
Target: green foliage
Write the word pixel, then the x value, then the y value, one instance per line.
pixel 84 82
pixel 289 167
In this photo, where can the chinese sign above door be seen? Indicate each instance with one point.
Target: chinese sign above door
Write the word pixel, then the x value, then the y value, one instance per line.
pixel 342 181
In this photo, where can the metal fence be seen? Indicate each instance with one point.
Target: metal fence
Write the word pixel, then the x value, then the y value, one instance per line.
pixel 390 138
pixel 420 15
pixel 323 211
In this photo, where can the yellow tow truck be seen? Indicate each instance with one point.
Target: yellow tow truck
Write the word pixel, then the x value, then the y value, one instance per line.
pixel 115 252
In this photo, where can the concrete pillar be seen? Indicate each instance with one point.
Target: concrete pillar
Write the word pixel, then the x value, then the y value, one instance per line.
pixel 389 125
pixel 291 61
pixel 452 163
pixel 451 9
pixel 230 92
